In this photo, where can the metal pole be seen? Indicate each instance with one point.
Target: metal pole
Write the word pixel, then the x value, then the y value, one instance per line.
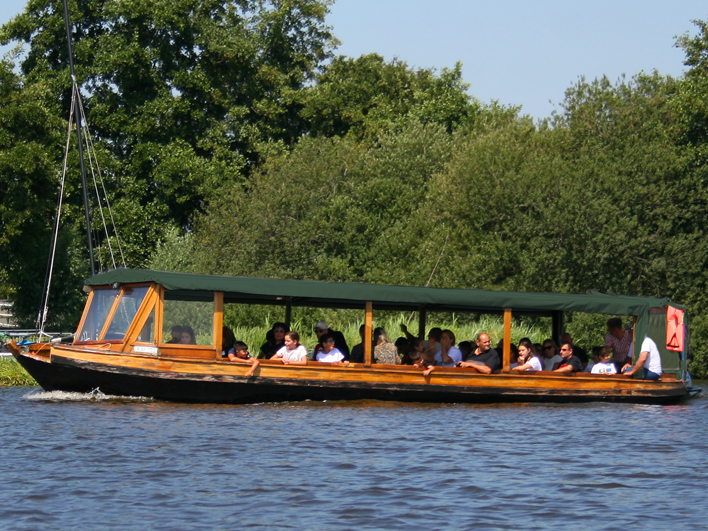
pixel 74 87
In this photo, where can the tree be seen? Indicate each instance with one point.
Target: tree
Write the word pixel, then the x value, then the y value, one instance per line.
pixel 362 96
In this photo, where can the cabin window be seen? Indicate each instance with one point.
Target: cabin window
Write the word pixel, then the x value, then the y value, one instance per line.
pixel 101 305
pixel 128 306
pixel 147 334
pixel 194 317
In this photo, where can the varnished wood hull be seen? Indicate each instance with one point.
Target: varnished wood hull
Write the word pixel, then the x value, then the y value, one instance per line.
pixel 74 369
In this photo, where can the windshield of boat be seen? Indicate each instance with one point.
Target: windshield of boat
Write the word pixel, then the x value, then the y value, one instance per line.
pixel 125 312
pixel 101 305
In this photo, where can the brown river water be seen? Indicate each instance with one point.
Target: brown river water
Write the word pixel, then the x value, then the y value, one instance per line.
pixel 93 462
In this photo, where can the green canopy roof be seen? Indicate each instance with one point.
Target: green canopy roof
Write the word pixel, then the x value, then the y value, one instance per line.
pixel 347 295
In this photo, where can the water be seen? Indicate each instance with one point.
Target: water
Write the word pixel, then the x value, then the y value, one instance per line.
pixel 93 462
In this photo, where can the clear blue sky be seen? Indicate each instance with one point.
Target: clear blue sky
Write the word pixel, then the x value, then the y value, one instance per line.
pixel 519 52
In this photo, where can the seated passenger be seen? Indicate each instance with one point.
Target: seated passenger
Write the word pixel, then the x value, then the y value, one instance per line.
pixel 188 337
pixel 385 352
pixel 449 355
pixel 531 362
pixel 649 360
pixel 227 342
pixel 595 358
pixel 432 345
pixel 404 348
pixel 328 352
pixel 577 351
pixel 357 353
pixel 466 348
pixel 176 334
pixel 274 341
pixel 241 355
pixel 416 353
pixel 551 357
pixel 322 328
pixel 569 363
pixel 604 365
pixel 293 353
pixel 484 359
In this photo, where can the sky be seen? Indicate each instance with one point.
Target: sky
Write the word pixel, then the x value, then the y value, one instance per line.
pixel 518 52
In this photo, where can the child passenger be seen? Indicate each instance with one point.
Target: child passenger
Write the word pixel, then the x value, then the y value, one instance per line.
pixel 328 353
pixel 293 353
pixel 604 366
pixel 239 354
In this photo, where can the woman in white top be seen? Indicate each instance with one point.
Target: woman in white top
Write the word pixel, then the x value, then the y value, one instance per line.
pixel 293 353
pixel 550 353
pixel 531 361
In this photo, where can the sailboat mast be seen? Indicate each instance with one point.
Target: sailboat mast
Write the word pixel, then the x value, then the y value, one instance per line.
pixel 75 91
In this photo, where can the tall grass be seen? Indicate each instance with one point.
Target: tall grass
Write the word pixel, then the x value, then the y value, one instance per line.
pixel 254 336
pixel 12 373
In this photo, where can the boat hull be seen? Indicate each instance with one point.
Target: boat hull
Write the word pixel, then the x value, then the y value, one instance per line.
pixel 218 382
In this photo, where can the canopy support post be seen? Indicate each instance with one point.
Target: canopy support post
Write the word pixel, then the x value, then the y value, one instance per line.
pixel 368 334
pixel 218 322
pixel 506 355
pixel 288 312
pixel 558 326
pixel 422 314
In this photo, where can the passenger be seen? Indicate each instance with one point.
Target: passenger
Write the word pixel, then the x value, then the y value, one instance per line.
pixel 241 355
pixel 404 348
pixel 514 352
pixel 532 362
pixel 416 353
pixel 466 348
pixel 450 355
pixel 570 362
pixel 595 358
pixel 329 353
pixel 649 360
pixel 484 359
pixel 176 334
pixel 620 341
pixel 292 353
pixel 227 342
pixel 604 365
pixel 188 337
pixel 551 357
pixel 538 350
pixel 321 328
pixel 358 352
pixel 385 352
pixel 432 345
pixel 274 341
pixel 577 351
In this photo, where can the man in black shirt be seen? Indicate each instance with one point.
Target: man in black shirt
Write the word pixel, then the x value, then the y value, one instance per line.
pixel 484 358
pixel 570 363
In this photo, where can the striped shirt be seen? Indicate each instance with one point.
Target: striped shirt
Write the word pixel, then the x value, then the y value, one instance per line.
pixel 620 347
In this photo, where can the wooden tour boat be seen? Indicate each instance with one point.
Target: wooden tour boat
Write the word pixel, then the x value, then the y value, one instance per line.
pixel 120 347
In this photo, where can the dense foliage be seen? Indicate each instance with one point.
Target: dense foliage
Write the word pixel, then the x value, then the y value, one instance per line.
pixel 234 143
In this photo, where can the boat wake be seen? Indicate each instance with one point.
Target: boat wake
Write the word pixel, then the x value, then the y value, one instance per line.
pixel 93 396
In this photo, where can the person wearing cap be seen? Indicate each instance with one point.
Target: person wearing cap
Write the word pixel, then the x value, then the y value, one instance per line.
pixel 321 329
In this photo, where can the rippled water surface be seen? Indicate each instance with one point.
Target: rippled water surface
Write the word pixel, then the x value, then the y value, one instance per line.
pixel 91 462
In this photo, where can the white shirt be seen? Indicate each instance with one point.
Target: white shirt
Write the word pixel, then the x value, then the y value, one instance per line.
pixel 454 352
pixel 550 362
pixel 604 368
pixel 332 356
pixel 653 362
pixel 295 354
pixel 535 364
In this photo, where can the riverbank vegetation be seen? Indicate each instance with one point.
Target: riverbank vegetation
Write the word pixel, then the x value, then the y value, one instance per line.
pixel 236 142
pixel 12 374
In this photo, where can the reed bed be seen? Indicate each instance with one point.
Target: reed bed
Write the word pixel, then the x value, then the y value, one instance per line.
pixel 12 374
